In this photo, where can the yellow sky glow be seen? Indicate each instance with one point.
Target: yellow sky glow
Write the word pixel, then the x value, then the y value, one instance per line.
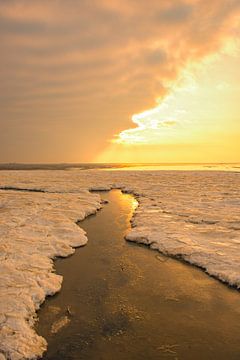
pixel 198 120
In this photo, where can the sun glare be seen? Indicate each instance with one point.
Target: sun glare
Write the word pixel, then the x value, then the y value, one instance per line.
pixel 197 106
pixel 197 120
pixel 152 125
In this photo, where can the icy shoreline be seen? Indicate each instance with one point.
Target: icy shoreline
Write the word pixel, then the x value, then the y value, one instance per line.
pixel 194 216
pixel 35 229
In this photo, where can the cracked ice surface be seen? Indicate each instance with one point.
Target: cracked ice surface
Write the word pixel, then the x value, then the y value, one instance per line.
pixel 187 214
pixel 34 228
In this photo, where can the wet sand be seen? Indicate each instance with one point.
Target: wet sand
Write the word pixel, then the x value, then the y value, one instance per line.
pixel 123 301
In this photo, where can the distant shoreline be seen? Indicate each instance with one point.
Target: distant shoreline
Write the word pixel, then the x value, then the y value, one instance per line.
pixel 132 166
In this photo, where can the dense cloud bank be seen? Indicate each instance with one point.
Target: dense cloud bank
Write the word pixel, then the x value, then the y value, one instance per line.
pixel 69 64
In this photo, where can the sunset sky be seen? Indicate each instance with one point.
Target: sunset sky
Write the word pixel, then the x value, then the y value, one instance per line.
pixel 120 81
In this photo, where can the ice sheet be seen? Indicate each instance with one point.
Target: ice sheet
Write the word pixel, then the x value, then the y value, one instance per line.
pixel 191 215
pixel 34 229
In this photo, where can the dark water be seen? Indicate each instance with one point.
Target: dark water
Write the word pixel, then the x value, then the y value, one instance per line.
pixel 122 301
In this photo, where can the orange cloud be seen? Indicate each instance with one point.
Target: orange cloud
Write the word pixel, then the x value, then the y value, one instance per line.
pixel 94 64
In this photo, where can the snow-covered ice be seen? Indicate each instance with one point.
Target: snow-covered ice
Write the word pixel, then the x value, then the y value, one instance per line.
pixel 34 228
pixel 186 214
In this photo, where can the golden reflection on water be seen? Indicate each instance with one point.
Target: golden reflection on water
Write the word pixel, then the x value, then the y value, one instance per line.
pixel 182 167
pixel 127 203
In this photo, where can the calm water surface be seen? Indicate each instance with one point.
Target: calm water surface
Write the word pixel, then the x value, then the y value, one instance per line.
pixel 122 301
